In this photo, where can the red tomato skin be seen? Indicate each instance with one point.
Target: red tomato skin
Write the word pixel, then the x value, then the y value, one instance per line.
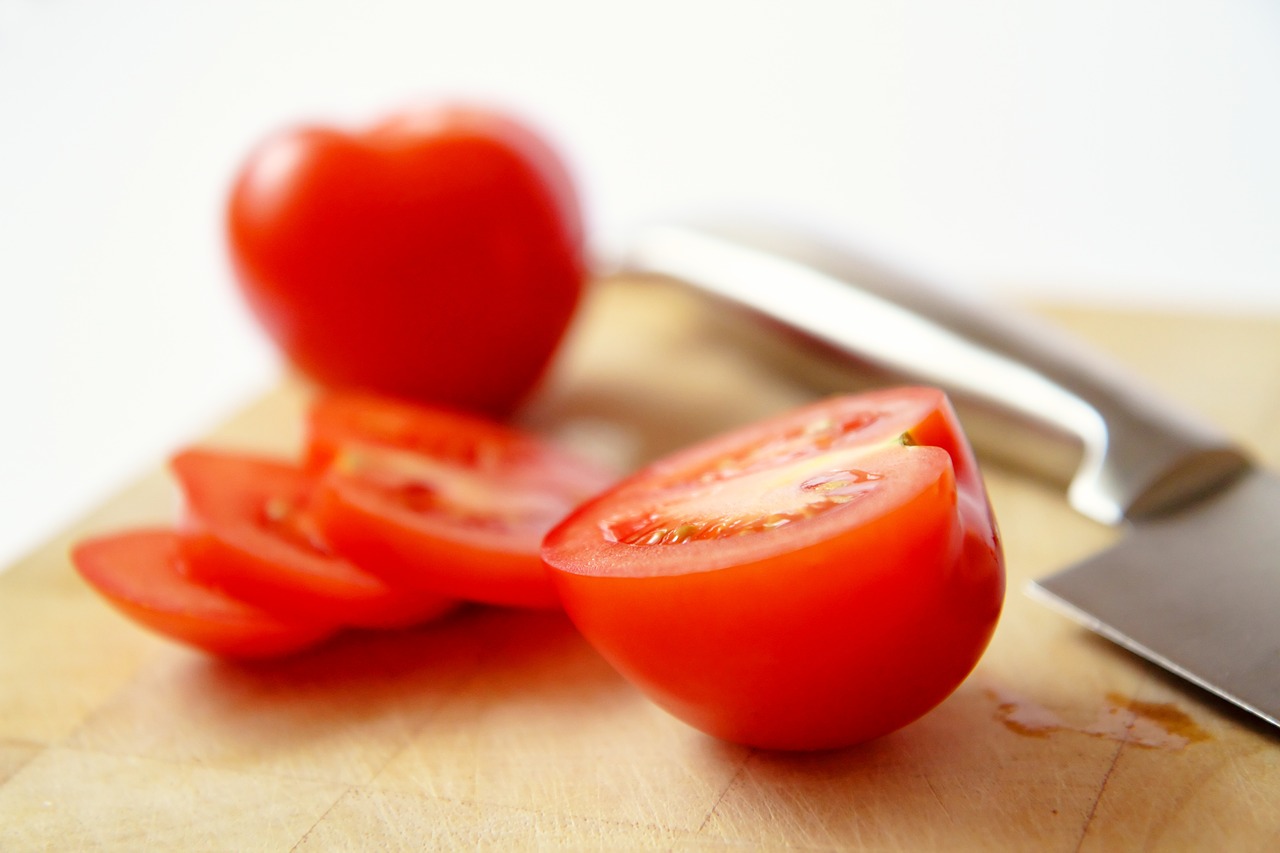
pixel 139 572
pixel 438 256
pixel 227 543
pixel 843 641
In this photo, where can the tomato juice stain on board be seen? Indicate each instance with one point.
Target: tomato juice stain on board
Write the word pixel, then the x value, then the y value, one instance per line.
pixel 1153 725
pixel 1024 717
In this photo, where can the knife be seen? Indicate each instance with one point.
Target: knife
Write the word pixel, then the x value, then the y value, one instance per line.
pixel 1193 585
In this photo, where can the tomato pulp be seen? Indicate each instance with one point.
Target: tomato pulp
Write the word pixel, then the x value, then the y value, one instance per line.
pixel 442 501
pixel 437 255
pixel 813 581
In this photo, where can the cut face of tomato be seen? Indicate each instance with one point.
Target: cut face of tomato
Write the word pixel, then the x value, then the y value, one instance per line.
pixel 140 573
pixel 442 501
pixel 248 532
pixel 813 581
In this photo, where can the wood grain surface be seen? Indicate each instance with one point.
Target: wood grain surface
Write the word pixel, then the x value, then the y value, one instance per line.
pixel 501 729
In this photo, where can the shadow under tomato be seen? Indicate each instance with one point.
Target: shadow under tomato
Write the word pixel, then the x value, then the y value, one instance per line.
pixel 905 789
pixel 427 660
pixel 342 710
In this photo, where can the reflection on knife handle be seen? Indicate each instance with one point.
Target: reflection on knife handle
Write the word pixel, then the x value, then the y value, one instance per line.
pixel 1131 453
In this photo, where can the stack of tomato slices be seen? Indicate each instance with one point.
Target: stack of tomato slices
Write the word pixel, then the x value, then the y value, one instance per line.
pixel 396 512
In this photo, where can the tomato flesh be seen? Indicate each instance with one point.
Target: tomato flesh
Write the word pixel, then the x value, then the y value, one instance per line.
pixel 140 572
pixel 810 582
pixel 441 501
pixel 249 533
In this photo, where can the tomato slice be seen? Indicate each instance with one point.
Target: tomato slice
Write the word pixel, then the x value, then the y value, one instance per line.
pixel 440 500
pixel 816 580
pixel 140 573
pixel 248 533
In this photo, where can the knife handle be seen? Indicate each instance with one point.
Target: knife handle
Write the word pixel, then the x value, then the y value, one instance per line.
pixel 1027 393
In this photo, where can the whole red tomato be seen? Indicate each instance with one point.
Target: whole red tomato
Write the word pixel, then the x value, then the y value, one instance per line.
pixel 437 255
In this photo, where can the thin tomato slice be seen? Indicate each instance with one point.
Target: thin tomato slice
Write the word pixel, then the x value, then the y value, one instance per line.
pixel 248 532
pixel 140 573
pixel 442 501
pixel 809 582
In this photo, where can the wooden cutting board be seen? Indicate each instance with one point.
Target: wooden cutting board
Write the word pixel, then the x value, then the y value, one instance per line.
pixel 504 730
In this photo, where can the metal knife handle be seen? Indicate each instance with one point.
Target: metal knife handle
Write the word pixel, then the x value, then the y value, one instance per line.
pixel 1132 453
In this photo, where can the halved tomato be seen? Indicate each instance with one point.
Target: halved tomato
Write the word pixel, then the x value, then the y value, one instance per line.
pixel 140 573
pixel 809 582
pixel 440 500
pixel 247 532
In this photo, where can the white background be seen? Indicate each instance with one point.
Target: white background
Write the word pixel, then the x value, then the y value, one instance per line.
pixel 1116 152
